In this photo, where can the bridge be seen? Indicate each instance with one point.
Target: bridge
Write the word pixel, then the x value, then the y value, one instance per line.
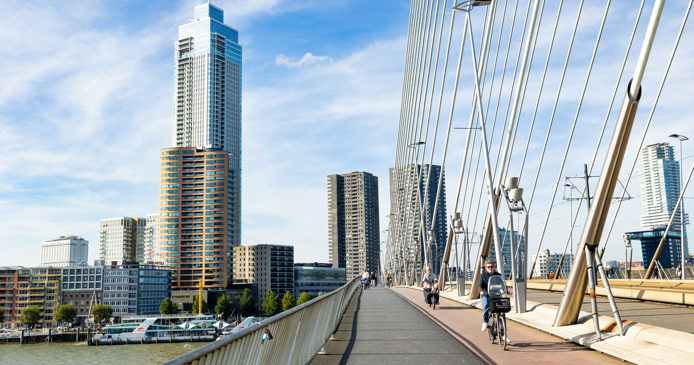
pixel 551 86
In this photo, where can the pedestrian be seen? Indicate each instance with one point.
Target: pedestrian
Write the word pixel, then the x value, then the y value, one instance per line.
pixel 374 279
pixel 678 271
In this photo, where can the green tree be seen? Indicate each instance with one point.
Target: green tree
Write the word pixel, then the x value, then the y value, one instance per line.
pixel 223 306
pixel 288 301
pixel 271 304
pixel 30 316
pixel 303 298
pixel 196 306
pixel 65 313
pixel 167 306
pixel 2 314
pixel 246 303
pixel 102 312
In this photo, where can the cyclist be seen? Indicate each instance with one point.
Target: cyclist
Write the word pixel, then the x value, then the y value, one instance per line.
pixel 484 282
pixel 428 281
pixel 365 279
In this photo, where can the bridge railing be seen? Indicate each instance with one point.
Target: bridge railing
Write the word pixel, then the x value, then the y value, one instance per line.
pixel 296 335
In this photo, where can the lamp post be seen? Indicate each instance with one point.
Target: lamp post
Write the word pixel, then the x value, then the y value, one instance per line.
pixel 681 138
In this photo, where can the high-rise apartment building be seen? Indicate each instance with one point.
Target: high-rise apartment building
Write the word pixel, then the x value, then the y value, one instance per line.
pixel 660 188
pixel 427 197
pixel 196 222
pixel 353 227
pixel 208 95
pixel 151 244
pixel 270 267
pixel 547 263
pixel 505 241
pixel 64 251
pixel 122 239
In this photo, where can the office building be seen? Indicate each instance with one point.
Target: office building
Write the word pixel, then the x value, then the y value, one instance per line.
pixel 669 257
pixel 505 241
pixel 547 264
pixel 353 227
pixel 413 180
pixel 64 251
pixel 317 278
pixel 81 287
pixel 135 289
pixel 208 96
pixel 122 240
pixel 196 217
pixel 659 176
pixel 270 267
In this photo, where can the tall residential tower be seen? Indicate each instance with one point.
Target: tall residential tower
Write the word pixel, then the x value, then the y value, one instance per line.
pixel 353 222
pixel 208 126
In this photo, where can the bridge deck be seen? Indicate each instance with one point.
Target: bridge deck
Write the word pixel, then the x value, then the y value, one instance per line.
pixel 395 326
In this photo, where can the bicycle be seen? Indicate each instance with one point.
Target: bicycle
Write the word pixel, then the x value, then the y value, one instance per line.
pixel 499 304
pixel 497 329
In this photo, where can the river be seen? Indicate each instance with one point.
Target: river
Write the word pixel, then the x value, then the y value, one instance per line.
pixel 79 353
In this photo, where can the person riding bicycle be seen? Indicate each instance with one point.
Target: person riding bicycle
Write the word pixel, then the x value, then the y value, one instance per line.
pixel 484 282
pixel 365 279
pixel 428 282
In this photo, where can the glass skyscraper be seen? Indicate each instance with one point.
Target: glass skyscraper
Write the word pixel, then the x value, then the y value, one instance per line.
pixel 660 188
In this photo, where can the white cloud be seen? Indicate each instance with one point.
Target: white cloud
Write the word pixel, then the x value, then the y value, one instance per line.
pixel 307 59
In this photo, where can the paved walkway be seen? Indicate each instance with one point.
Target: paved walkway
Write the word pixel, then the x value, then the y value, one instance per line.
pixel 384 326
pixel 380 327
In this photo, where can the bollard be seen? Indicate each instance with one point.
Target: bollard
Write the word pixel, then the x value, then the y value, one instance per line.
pixel 77 337
pixel 21 337
pixel 50 335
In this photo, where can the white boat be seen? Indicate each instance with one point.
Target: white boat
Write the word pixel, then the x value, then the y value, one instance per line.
pixel 148 329
pixel 248 322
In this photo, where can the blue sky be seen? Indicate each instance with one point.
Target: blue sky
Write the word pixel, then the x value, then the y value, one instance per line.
pixel 87 102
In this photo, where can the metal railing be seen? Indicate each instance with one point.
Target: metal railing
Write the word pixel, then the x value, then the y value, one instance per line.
pixel 296 335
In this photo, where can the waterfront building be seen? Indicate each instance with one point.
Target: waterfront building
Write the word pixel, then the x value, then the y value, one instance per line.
pixel 659 176
pixel 413 180
pixel 317 278
pixel 270 267
pixel 353 227
pixel 122 240
pixel 81 287
pixel 196 217
pixel 9 278
pixel 64 251
pixel 39 286
pixel 151 243
pixel 135 289
pixel 208 96
pixel 671 254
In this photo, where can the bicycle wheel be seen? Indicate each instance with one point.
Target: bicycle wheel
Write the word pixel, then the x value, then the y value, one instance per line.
pixel 501 326
pixel 491 333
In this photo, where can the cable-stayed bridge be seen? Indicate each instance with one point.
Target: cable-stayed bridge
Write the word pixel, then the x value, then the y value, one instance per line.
pixel 510 97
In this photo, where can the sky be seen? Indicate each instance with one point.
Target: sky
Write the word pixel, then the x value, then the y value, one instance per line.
pixel 87 103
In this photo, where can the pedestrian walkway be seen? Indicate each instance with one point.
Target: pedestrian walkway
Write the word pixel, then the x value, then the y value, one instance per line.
pixel 380 327
pixel 395 326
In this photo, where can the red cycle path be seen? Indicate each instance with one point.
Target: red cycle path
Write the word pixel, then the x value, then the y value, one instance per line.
pixel 528 345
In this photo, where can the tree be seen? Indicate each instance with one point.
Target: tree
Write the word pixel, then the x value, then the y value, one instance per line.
pixel 196 306
pixel 102 312
pixel 2 314
pixel 167 306
pixel 65 313
pixel 30 316
pixel 271 304
pixel 223 306
pixel 303 298
pixel 246 303
pixel 288 301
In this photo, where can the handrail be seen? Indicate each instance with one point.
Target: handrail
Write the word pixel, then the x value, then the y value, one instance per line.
pixel 296 334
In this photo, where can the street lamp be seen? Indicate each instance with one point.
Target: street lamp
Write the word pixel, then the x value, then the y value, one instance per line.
pixel 681 138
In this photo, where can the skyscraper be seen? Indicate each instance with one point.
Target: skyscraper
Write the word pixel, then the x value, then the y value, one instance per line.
pixel 427 196
pixel 208 95
pixel 353 228
pixel 120 239
pixel 195 217
pixel 660 188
